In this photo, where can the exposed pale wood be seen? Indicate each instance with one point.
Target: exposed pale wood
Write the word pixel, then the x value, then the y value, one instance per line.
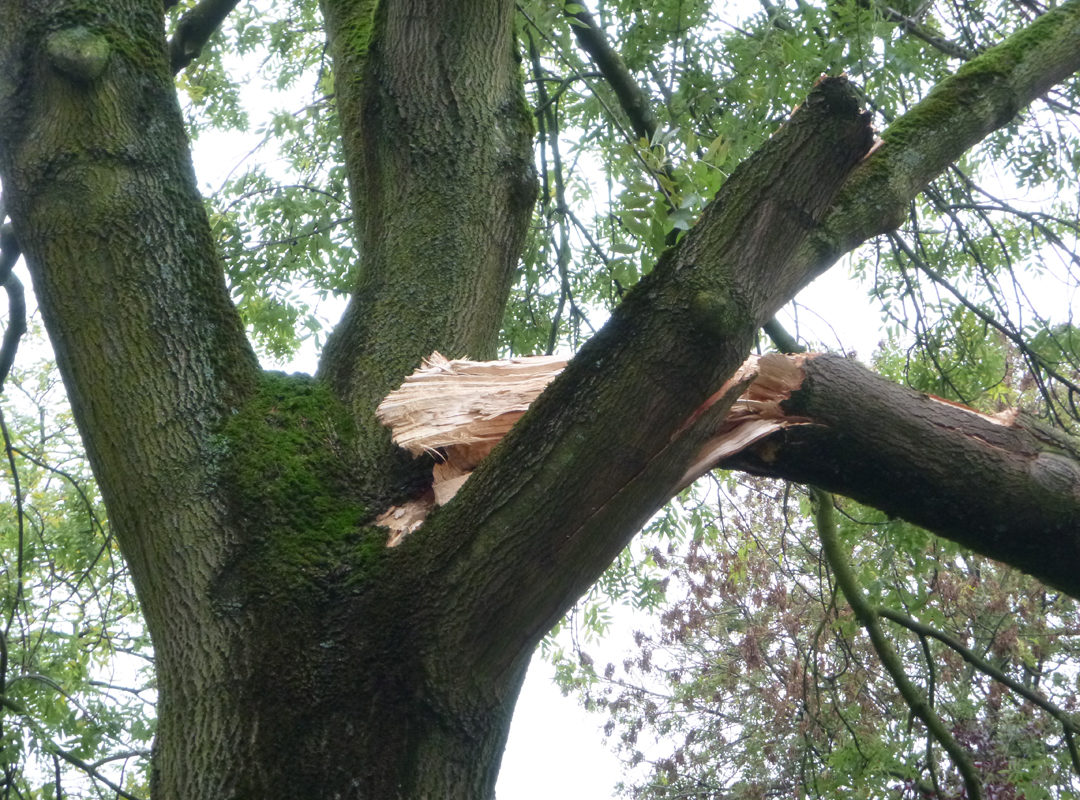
pixel 406 518
pixel 447 403
pixel 757 413
pixel 457 411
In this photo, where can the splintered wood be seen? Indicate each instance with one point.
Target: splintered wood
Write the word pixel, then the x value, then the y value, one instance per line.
pixel 457 411
pixel 757 412
pixel 453 403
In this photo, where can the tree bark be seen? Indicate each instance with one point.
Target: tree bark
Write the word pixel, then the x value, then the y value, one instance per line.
pixel 98 181
pixel 1001 486
pixel 438 146
pixel 297 656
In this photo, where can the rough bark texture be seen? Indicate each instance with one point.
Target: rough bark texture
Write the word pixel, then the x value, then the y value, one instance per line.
pixel 98 181
pixel 1001 487
pixel 297 656
pixel 438 149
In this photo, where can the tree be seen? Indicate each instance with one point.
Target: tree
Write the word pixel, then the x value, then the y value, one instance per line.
pixel 757 679
pixel 296 655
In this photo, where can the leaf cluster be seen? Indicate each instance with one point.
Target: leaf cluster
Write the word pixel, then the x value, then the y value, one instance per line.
pixel 77 686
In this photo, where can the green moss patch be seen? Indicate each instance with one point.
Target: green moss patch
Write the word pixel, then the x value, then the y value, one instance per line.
pixel 289 464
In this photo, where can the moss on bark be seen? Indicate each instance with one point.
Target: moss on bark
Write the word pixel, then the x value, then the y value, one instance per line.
pixel 288 464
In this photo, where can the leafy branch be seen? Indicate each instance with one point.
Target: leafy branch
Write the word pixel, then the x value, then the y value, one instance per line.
pixel 868 617
pixel 54 749
pixel 1070 725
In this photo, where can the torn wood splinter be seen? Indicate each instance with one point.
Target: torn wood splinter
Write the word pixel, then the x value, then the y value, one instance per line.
pixel 458 410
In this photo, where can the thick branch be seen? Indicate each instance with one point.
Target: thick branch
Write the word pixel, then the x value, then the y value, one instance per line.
pixel 985 94
pixel 602 448
pixel 439 158
pixel 1002 487
pixel 608 442
pixel 194 30
pixel 99 185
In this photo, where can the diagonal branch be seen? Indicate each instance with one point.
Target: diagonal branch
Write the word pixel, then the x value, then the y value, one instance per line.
pixel 637 106
pixel 984 95
pixel 194 30
pixel 1002 485
pixel 609 440
pixel 923 32
pixel 1069 722
pixel 633 100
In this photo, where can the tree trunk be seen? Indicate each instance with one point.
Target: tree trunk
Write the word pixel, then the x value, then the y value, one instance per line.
pixel 438 145
pixel 297 655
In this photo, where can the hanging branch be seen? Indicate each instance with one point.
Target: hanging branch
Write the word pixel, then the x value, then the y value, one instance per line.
pixel 9 254
pixel 868 617
pixel 194 30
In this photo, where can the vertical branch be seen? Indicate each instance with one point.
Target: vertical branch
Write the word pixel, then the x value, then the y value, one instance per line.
pixel 548 124
pixel 438 152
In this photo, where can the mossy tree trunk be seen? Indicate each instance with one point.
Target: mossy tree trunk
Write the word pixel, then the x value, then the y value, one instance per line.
pixel 297 656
